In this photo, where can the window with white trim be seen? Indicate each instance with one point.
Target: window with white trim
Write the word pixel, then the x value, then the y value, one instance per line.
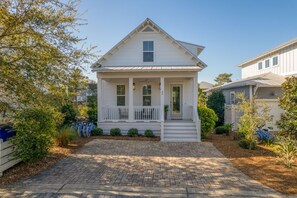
pixel 275 61
pixel 148 51
pixel 260 66
pixel 147 95
pixel 121 97
pixel 232 97
pixel 267 63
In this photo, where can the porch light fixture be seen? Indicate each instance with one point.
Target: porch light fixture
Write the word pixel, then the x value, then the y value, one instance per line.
pixel 159 86
pixel 134 87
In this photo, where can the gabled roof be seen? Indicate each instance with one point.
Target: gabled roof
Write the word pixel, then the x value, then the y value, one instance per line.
pixel 262 80
pixel 205 85
pixel 149 22
pixel 200 48
pixel 273 50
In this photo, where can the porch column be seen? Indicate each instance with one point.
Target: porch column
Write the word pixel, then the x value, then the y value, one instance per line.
pixel 162 107
pixel 99 99
pixel 162 99
pixel 131 110
pixel 195 90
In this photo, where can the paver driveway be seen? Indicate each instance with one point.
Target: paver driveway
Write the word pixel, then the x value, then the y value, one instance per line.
pixel 136 168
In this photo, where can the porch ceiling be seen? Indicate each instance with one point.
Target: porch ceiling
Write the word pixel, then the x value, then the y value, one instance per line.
pixel 147 68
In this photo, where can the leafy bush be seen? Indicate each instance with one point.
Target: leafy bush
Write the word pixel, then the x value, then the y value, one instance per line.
pixel 286 149
pixel 115 132
pixel 92 108
pixel 65 135
pixel 248 144
pixel 35 128
pixel 132 132
pixel 97 131
pixel 149 133
pixel 221 129
pixel 69 114
pixel 288 103
pixel 216 102
pixel 255 115
pixel 208 120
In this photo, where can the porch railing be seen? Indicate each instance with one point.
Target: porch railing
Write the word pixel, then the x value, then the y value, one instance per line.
pixel 113 113
pixel 197 122
pixel 151 113
pixel 141 113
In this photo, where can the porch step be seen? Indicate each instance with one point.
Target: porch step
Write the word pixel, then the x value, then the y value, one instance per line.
pixel 180 132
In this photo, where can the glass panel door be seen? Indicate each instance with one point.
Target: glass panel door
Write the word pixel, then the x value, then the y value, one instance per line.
pixel 176 101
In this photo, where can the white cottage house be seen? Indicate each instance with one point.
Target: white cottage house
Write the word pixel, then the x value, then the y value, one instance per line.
pixel 143 73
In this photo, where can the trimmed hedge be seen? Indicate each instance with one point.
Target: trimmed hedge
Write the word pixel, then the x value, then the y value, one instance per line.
pixel 97 131
pixel 133 132
pixel 221 130
pixel 149 133
pixel 115 132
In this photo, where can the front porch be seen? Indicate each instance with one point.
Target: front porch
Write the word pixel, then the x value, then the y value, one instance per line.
pixel 126 102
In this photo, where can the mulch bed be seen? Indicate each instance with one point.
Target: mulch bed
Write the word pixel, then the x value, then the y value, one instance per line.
pixel 138 138
pixel 23 171
pixel 260 164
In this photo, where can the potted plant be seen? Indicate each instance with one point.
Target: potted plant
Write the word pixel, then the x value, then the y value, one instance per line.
pixel 165 111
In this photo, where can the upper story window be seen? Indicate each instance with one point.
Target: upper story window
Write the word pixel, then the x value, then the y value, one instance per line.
pixel 147 95
pixel 275 60
pixel 260 66
pixel 148 51
pixel 267 63
pixel 121 95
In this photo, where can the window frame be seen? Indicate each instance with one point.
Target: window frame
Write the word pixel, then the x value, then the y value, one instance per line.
pixel 267 61
pixel 148 51
pixel 273 61
pixel 234 99
pixel 121 95
pixel 146 95
pixel 259 65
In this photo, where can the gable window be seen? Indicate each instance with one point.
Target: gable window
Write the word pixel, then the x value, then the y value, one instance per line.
pixel 121 95
pixel 148 51
pixel 232 97
pixel 260 66
pixel 275 60
pixel 267 63
pixel 147 95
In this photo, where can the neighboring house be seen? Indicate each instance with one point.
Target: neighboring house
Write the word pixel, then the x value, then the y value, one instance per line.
pixel 262 78
pixel 145 71
pixel 205 85
pixel 91 90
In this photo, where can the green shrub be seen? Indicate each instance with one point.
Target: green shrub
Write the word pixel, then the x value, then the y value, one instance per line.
pixel 286 149
pixel 133 132
pixel 65 135
pixel 35 129
pixel 69 114
pixel 208 120
pixel 226 128
pixel 115 132
pixel 149 133
pixel 247 144
pixel 221 130
pixel 216 102
pixel 97 131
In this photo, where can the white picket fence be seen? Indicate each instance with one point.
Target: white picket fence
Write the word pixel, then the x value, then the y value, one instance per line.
pixel 7 159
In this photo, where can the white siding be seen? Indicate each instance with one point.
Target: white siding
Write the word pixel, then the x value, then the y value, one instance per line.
pixel 165 52
pixel 287 64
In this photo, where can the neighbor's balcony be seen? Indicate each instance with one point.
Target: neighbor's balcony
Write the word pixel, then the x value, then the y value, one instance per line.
pixel 140 113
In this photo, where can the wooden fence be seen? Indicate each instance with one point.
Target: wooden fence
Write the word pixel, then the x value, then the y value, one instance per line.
pixel 7 159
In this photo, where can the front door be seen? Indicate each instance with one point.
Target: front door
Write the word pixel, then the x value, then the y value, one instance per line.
pixel 176 101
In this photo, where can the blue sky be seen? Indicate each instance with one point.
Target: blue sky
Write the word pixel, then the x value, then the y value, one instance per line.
pixel 231 30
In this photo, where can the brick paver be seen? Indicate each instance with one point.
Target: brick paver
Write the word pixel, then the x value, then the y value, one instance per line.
pixel 134 168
